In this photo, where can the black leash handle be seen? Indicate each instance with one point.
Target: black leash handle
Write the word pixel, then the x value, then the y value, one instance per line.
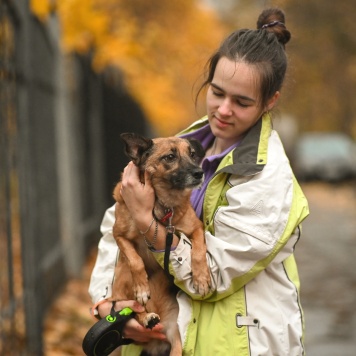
pixel 106 334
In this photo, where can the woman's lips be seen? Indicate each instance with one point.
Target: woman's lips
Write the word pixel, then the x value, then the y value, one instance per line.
pixel 221 123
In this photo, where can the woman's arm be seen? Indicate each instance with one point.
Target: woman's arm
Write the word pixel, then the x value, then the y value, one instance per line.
pixel 258 225
pixel 103 272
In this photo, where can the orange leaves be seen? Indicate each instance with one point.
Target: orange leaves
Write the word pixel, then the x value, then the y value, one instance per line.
pixel 41 8
pixel 83 24
pixel 160 46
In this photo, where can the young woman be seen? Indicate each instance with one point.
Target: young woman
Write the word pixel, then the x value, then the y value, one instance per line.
pixel 251 206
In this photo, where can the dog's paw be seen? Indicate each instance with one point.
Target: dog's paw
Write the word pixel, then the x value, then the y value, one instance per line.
pixel 202 283
pixel 142 295
pixel 151 320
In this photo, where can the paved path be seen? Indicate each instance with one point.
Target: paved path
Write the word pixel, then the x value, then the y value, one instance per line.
pixel 326 256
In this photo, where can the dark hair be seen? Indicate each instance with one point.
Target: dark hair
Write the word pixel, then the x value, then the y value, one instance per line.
pixel 264 48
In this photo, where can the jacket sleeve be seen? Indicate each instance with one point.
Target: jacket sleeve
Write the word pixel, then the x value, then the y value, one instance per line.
pixel 103 272
pixel 259 225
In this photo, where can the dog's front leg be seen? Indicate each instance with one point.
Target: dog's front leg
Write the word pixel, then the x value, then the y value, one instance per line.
pixel 200 270
pixel 122 286
pixel 140 285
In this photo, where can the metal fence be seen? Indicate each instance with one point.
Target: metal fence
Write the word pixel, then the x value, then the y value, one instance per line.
pixel 60 157
pixel 32 266
pixel 12 315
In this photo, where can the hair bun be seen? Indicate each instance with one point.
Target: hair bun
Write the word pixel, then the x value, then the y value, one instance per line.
pixel 273 20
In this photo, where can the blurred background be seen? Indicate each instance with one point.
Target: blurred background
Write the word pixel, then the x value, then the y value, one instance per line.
pixel 74 74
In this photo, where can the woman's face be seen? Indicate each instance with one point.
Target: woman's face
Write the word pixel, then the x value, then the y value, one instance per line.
pixel 233 100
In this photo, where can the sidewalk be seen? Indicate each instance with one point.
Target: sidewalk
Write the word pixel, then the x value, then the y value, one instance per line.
pixel 326 257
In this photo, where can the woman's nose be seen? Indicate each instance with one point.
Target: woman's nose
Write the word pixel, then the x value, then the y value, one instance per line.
pixel 225 107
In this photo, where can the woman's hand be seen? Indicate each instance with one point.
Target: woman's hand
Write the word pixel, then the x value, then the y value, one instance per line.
pixel 133 330
pixel 139 198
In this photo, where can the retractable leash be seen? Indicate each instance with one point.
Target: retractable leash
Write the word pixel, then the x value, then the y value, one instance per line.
pixel 106 335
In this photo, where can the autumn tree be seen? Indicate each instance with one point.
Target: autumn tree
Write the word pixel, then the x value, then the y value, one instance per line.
pixel 159 46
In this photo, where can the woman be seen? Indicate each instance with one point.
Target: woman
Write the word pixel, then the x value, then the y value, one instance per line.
pixel 251 206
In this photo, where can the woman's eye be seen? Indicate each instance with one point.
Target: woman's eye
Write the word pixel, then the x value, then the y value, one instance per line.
pixel 243 105
pixel 217 93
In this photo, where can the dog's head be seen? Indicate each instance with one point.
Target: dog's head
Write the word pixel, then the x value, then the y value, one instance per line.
pixel 173 163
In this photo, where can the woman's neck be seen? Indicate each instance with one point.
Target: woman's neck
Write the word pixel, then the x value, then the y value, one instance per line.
pixel 218 146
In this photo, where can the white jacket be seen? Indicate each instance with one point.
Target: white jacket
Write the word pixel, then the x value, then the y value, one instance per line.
pixel 252 211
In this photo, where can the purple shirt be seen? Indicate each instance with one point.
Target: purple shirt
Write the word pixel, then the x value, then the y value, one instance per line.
pixel 209 164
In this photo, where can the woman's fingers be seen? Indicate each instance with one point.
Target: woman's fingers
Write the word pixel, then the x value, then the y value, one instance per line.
pixel 135 331
pixel 138 197
pixel 132 304
pixel 130 175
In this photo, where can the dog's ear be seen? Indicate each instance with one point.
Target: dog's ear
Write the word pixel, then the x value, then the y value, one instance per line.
pixel 136 146
pixel 197 147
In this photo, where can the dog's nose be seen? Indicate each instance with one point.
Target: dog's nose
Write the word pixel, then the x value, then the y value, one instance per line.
pixel 198 174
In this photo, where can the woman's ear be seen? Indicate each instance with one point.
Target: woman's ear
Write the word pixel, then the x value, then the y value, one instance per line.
pixel 273 101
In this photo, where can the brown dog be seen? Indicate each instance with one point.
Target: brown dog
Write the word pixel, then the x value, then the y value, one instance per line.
pixel 174 172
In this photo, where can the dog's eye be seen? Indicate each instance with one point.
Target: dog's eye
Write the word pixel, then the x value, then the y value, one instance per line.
pixel 169 158
pixel 192 154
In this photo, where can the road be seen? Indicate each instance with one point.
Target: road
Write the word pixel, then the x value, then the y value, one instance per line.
pixel 326 257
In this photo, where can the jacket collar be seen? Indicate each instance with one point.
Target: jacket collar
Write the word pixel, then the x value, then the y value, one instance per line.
pixel 250 156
